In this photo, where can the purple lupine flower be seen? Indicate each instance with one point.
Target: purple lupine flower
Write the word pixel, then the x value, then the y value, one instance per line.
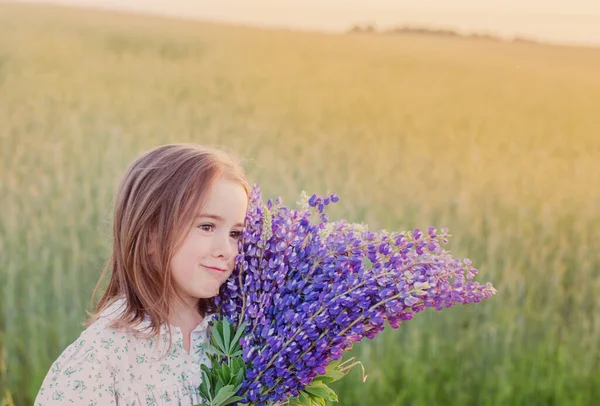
pixel 309 291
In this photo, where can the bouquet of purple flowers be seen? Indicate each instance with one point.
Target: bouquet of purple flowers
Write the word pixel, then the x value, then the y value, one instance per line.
pixel 306 289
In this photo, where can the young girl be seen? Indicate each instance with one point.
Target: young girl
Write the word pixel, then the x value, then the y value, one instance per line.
pixel 178 217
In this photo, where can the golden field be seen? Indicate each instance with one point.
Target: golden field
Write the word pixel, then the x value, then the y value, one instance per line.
pixel 498 141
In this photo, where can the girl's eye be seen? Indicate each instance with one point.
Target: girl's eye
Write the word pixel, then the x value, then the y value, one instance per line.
pixel 206 227
pixel 236 235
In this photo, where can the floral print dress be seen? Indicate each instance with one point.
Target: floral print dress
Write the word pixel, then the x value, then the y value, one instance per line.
pixel 105 366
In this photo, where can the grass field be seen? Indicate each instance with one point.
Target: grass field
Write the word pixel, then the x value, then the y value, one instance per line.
pixel 500 142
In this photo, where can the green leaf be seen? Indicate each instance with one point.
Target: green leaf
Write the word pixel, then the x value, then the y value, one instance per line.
pixel 218 339
pixel 203 388
pixel 332 372
pixel 320 390
pixel 239 332
pixel 241 374
pixel 205 369
pixel 226 373
pixel 232 400
pixel 207 386
pixel 302 399
pixel 323 378
pixel 318 402
pixel 237 388
pixel 214 351
pixel 225 393
pixel 333 365
pixel 219 385
pixel 241 363
pixel 235 364
pixel 331 376
pixel 226 335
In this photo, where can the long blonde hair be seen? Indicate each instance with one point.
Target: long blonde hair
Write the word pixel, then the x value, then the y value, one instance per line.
pixel 159 196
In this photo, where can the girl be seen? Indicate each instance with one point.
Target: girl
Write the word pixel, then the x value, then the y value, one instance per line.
pixel 179 213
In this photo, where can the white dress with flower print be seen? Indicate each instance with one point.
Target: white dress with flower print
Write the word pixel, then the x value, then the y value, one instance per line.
pixel 109 367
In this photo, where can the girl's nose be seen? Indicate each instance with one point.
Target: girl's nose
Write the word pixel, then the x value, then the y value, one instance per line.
pixel 223 247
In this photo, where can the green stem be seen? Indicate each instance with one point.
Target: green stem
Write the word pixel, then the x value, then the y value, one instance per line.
pixel 241 319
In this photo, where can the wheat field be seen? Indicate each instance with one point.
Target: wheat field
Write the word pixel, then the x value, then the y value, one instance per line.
pixel 498 141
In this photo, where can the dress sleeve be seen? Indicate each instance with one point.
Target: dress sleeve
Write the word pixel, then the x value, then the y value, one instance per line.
pixel 80 376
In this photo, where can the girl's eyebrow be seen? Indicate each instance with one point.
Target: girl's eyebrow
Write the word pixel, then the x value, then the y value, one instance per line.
pixel 217 218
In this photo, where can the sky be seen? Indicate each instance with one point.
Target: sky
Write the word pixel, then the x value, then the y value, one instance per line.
pixel 558 21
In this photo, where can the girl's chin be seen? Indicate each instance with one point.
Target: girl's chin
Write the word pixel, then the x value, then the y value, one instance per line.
pixel 208 293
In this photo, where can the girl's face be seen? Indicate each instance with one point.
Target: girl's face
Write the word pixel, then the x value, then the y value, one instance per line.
pixel 206 257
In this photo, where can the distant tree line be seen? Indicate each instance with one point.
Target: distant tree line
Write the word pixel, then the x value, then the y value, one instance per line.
pixel 413 29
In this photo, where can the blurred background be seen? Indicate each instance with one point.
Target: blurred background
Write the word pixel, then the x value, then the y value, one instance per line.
pixel 483 118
